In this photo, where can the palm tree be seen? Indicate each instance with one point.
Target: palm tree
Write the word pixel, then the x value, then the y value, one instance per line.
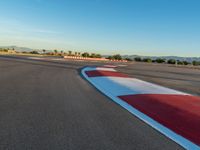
pixel 85 54
pixel 44 50
pixel 70 53
pixel 55 51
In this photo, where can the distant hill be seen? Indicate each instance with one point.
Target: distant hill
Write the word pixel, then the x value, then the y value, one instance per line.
pixel 24 49
pixel 19 49
pixel 189 59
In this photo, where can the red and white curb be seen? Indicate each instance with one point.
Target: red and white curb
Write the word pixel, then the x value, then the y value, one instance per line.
pixel 173 113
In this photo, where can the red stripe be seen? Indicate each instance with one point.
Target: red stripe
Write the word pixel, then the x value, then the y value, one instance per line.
pixel 98 73
pixel 180 113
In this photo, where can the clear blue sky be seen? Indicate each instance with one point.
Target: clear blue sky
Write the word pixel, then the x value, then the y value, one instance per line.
pixel 144 27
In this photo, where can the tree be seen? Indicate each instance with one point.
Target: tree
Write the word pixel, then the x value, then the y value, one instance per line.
pixel 56 51
pixel 138 59
pixel 128 59
pixel 147 60
pixel 93 55
pixel 180 63
pixel 69 53
pixel 34 52
pixel 110 57
pixel 160 60
pixel 44 50
pixel 196 63
pixel 98 56
pixel 186 63
pixel 117 57
pixel 85 54
pixel 171 61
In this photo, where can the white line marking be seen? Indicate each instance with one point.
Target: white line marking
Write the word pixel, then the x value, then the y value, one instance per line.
pixel 126 86
pixel 101 68
pixel 37 58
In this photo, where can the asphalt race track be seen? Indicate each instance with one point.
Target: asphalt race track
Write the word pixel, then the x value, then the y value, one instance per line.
pixel 48 105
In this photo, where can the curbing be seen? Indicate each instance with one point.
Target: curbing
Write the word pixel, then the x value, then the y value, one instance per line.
pixel 167 132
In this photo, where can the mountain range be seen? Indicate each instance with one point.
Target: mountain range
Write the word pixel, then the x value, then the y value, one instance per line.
pixel 19 49
pixel 188 59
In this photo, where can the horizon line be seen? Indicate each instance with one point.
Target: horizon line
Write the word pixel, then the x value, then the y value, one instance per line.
pixel 82 51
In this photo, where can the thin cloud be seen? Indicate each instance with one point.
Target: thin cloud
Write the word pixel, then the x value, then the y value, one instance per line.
pixel 15 26
pixel 41 31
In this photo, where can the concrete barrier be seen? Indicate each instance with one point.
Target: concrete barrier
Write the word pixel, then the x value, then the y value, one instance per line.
pixel 92 59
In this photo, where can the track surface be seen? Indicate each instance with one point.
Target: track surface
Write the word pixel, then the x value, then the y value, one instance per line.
pixel 183 79
pixel 47 105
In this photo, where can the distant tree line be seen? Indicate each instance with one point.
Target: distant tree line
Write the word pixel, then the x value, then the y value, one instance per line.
pixel 3 50
pixel 112 57
pixel 118 57
pixel 63 53
pixel 6 49
pixel 115 57
pixel 71 53
pixel 92 55
pixel 170 61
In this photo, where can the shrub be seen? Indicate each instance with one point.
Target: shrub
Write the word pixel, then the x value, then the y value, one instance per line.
pixel 138 59
pixel 110 57
pixel 34 52
pixel 160 60
pixel 186 63
pixel 147 60
pixel 117 57
pixel 85 54
pixel 128 59
pixel 93 55
pixel 98 56
pixel 196 63
pixel 180 63
pixel 171 61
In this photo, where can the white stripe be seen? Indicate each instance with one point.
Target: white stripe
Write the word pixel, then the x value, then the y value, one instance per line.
pixel 56 59
pixel 100 68
pixel 35 58
pixel 126 86
pixel 112 66
pixel 122 65
pixel 169 133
